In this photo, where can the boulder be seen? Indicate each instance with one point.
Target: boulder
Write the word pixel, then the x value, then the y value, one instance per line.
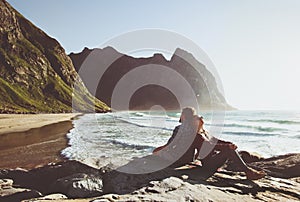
pixel 283 166
pixel 79 185
pixel 71 178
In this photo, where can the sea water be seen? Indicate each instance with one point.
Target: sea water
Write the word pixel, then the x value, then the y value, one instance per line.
pixel 126 135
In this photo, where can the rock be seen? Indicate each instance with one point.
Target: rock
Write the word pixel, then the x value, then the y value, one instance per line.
pixel 5 183
pixel 101 200
pixel 79 185
pixel 10 193
pixel 284 166
pixel 71 178
pixel 74 179
pixel 121 183
pixel 221 186
pixel 48 197
pixel 27 194
pixel 174 189
pixel 7 189
pixel 109 197
pixel 170 184
pixel 226 186
pixel 265 189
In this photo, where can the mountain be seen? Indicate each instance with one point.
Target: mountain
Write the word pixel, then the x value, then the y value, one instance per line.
pixel 36 75
pixel 170 97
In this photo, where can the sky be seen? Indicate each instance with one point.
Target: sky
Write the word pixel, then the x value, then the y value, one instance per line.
pixel 254 44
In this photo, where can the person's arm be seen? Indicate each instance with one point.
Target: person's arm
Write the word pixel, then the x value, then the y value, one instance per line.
pixel 157 149
pixel 198 144
pixel 175 131
pixel 225 146
pixel 221 144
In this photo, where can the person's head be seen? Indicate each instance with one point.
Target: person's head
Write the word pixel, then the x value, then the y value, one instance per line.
pixel 187 114
pixel 199 122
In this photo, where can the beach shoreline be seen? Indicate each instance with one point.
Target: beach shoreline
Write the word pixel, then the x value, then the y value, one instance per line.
pixel 44 170
pixel 33 140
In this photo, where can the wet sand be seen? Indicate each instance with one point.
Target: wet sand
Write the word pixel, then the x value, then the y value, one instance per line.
pixel 29 141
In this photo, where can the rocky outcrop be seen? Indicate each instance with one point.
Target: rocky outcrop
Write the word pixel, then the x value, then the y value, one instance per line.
pixel 36 75
pixel 203 83
pixel 10 193
pixel 220 187
pixel 285 166
pixel 72 179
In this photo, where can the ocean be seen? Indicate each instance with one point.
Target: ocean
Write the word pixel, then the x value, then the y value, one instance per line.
pixel 129 134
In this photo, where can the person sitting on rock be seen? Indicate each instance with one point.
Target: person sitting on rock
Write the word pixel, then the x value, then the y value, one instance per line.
pixel 179 143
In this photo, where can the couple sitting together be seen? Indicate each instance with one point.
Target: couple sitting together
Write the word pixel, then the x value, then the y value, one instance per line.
pixel 191 143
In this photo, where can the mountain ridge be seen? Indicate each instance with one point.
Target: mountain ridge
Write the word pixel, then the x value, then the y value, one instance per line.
pixel 204 86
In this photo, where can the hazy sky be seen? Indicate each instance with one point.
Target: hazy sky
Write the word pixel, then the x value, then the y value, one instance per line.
pixel 254 44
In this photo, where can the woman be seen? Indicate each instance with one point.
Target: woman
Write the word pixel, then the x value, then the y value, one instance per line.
pixel 219 152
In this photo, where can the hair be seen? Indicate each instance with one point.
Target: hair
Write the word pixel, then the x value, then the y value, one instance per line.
pixel 198 117
pixel 188 113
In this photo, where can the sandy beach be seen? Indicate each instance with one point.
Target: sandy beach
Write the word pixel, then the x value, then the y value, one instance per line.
pixel 31 140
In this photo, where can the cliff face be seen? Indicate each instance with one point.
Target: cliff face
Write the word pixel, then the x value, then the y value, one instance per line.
pixel 203 84
pixel 36 75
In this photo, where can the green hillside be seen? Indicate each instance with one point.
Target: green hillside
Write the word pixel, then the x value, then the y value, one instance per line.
pixel 36 75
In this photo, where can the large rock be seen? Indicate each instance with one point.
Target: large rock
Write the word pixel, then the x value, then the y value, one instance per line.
pixel 141 171
pixel 71 178
pixel 79 185
pixel 283 166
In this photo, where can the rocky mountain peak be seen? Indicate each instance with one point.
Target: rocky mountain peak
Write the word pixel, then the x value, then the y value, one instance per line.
pixel 183 62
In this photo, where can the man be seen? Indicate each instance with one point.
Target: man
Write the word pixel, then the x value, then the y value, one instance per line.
pixel 177 150
pixel 180 149
pixel 187 116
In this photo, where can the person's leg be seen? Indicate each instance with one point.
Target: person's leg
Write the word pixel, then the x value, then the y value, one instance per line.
pixel 215 161
pixel 237 160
